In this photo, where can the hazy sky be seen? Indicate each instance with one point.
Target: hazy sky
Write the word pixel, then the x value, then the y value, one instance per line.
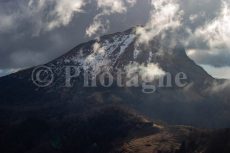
pixel 33 32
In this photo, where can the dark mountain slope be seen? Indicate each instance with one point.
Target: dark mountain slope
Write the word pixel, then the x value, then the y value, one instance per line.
pixel 193 105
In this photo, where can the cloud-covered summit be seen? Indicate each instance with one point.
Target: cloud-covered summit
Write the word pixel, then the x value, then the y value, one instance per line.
pixel 35 31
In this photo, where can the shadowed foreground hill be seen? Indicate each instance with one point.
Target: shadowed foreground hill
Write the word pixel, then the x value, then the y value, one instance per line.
pixel 111 129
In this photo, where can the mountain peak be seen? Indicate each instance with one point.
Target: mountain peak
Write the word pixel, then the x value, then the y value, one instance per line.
pixel 120 50
pixel 113 48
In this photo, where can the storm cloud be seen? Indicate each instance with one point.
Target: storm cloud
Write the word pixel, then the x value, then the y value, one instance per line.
pixel 34 32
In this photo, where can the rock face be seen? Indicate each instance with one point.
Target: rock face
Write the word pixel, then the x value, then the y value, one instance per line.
pixel 194 104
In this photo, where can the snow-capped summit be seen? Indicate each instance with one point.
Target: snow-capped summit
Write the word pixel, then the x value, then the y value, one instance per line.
pixel 192 104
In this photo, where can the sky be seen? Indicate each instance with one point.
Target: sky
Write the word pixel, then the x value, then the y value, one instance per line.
pixel 33 32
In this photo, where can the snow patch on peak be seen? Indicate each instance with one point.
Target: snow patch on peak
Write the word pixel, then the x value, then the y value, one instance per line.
pixel 136 52
pixel 103 54
pixel 150 56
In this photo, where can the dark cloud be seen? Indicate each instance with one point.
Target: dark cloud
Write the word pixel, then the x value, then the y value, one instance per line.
pixel 19 48
pixel 209 44
pixel 34 32
pixel 215 58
